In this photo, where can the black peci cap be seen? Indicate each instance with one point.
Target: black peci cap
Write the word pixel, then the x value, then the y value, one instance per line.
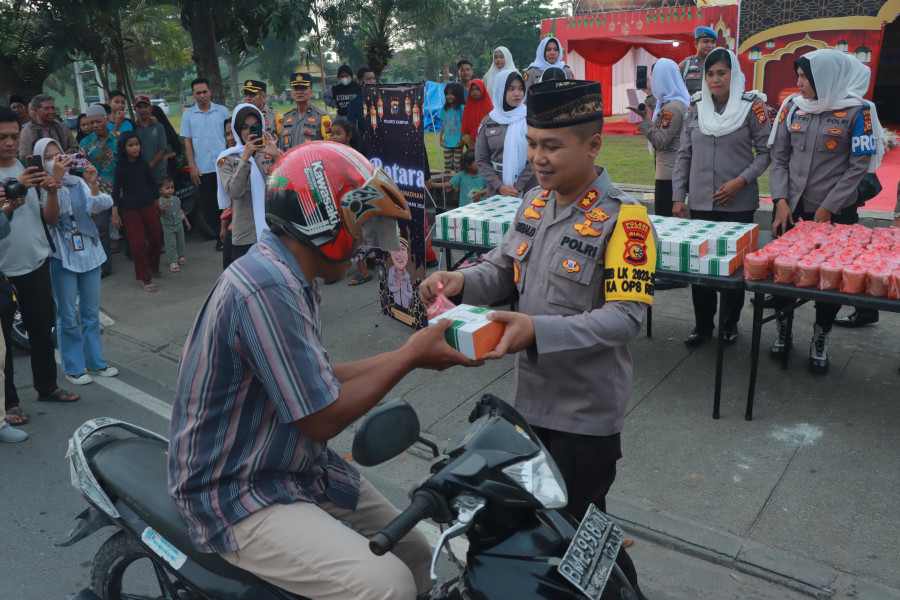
pixel 564 103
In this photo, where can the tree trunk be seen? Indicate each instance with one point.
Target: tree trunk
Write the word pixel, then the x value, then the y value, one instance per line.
pixel 203 40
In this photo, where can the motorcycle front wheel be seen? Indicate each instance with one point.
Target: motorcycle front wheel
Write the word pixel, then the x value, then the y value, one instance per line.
pixel 124 570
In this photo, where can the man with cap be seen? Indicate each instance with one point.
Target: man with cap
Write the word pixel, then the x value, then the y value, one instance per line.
pixel 692 70
pixel 306 122
pixel 581 253
pixel 152 136
pixel 255 94
pixel 345 91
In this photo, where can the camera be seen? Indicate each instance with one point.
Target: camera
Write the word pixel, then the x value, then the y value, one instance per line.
pixel 13 189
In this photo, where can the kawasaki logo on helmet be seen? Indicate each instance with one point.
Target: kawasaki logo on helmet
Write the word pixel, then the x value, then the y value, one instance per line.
pixel 324 217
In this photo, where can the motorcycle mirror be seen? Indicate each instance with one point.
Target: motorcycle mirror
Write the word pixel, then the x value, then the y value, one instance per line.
pixel 385 433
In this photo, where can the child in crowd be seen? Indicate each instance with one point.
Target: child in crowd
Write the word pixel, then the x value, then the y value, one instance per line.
pixel 136 208
pixel 469 183
pixel 344 132
pixel 171 217
pixel 451 127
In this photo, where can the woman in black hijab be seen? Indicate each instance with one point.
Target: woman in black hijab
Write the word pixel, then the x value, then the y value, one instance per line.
pixel 172 139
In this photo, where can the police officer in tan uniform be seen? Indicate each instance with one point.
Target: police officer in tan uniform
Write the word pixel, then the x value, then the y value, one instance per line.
pixel 581 254
pixel 307 122
pixel 548 55
pixel 255 94
pixel 692 70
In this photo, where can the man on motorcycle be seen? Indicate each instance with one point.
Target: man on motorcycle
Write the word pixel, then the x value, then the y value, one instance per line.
pixel 257 398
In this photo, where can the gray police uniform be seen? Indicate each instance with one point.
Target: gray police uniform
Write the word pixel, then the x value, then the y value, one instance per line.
pixel 314 124
pixel 692 73
pixel 273 121
pixel 819 159
pixel 533 75
pixel 235 177
pixel 707 161
pixel 664 134
pixel 577 376
pixel 489 158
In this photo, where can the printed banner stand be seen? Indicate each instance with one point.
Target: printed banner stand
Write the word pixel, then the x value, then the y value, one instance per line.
pixel 395 142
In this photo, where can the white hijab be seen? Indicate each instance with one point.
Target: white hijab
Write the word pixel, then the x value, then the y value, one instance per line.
pixel 540 62
pixel 40 147
pixel 732 118
pixel 840 81
pixel 515 147
pixel 492 72
pixel 257 181
pixel 668 84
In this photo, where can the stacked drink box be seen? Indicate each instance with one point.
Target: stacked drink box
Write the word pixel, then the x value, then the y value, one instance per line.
pixel 704 247
pixel 483 223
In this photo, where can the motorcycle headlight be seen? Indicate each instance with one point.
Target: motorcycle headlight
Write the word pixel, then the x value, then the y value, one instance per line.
pixel 540 477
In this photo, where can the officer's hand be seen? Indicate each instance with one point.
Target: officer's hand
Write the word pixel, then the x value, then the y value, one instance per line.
pixel 269 146
pixel 679 209
pixel 452 281
pixel 430 350
pixel 519 333
pixel 783 217
pixel 823 215
pixel 728 190
pixel 641 113
pixel 508 190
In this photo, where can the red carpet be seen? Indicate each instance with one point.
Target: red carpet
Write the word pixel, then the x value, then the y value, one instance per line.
pixel 620 127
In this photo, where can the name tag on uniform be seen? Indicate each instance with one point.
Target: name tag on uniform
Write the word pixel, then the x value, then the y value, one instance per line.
pixel 77 242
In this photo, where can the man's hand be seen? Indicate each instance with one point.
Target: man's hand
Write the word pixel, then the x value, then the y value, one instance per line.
pixel 453 282
pixel 223 231
pixel 823 215
pixel 728 190
pixel 783 217
pixel 195 175
pixel 9 206
pixel 508 190
pixel 430 350
pixel 519 333
pixel 679 209
pixel 119 118
pixel 31 177
pixel 641 113
pixel 116 219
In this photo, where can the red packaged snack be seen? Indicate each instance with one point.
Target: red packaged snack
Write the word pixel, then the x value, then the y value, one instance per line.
pixel 756 265
pixel 854 279
pixel 878 280
pixel 830 274
pixel 785 265
pixel 807 272
pixel 440 305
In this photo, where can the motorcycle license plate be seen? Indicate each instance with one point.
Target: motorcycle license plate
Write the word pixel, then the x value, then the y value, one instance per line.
pixel 589 559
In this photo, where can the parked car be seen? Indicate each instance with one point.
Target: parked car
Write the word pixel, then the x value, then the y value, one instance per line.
pixel 162 104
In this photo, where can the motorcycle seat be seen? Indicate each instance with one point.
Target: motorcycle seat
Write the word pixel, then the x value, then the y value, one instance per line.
pixel 135 470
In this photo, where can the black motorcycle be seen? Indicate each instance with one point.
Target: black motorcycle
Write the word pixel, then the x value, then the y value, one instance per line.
pixel 496 484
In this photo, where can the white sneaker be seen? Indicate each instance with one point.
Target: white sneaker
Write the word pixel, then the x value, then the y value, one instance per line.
pixel 82 379
pixel 11 435
pixel 106 371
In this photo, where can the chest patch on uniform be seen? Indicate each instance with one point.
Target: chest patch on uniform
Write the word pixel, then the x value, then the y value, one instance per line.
pixel 308 131
pixel 630 257
pixel 835 131
pixel 545 193
pixel 760 111
pixel 783 115
pixel 530 213
pixel 311 119
pixel 522 248
pixel 579 246
pixel 539 203
pixel 515 272
pixel 597 214
pixel 840 113
pixel 493 131
pixel 831 144
pixel 570 265
pixel 796 126
pixel 586 229
pixel 589 198
pixel 289 120
pixel 221 162
pixel 666 119
pixel 527 229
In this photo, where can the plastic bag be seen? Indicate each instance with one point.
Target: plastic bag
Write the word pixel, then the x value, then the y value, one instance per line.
pixel 853 280
pixel 756 265
pixel 807 272
pixel 785 265
pixel 440 305
pixel 894 290
pixel 830 274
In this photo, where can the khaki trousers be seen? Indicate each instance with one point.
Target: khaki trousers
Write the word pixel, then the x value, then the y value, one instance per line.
pixel 303 548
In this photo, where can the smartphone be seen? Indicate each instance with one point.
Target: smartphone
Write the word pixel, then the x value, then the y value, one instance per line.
pixel 256 129
pixel 641 78
pixel 33 160
pixel 79 160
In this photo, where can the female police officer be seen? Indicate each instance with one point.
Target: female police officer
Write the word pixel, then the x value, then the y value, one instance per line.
pixel 826 139
pixel 716 157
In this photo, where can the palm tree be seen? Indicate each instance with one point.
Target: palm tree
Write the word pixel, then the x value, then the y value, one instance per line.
pixel 32 47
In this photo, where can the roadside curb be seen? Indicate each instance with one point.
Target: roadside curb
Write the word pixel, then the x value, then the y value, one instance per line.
pixel 744 555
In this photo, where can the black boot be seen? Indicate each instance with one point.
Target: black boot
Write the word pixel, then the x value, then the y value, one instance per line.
pixel 783 341
pixel 860 317
pixel 697 337
pixel 818 350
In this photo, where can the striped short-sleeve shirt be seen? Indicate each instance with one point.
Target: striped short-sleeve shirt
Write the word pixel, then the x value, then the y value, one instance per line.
pixel 252 365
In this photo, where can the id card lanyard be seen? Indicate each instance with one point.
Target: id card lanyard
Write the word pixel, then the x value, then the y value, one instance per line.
pixel 77 238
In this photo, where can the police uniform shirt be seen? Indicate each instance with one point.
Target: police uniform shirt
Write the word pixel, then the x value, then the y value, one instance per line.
pixel 489 158
pixel 706 161
pixel 273 121
pixel 820 158
pixel 578 375
pixel 533 75
pixel 664 134
pixel 314 124
pixel 692 73
pixel 235 177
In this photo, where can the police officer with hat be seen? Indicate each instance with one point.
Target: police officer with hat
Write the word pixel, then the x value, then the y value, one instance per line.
pixel 306 122
pixel 581 253
pixel 255 94
pixel 705 39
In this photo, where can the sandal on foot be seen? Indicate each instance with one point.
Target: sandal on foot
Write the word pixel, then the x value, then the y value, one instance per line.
pixel 114 247
pixel 18 416
pixel 59 395
pixel 182 261
pixel 359 280
pixel 174 267
pixel 149 286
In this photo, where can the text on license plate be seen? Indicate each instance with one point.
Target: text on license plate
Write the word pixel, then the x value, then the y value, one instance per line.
pixel 589 559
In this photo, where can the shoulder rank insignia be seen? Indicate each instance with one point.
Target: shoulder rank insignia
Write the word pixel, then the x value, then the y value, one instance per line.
pixel 545 193
pixel 586 229
pixel 597 214
pixel 539 203
pixel 587 201
pixel 530 213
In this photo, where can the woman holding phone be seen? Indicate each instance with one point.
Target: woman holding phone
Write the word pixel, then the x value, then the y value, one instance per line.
pixel 241 173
